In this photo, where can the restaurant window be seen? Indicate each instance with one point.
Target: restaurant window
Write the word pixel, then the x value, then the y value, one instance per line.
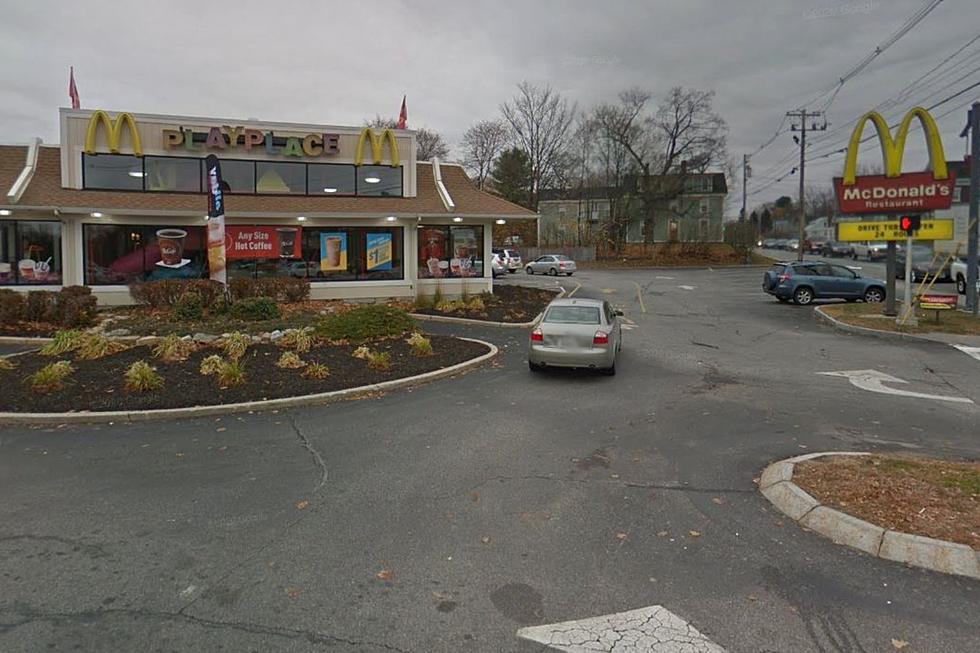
pixel 173 174
pixel 382 181
pixel 450 252
pixel 331 179
pixel 30 253
pixel 112 171
pixel 236 176
pixel 123 254
pixel 279 178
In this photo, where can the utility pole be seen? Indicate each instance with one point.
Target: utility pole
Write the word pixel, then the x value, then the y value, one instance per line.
pixel 746 173
pixel 973 126
pixel 802 115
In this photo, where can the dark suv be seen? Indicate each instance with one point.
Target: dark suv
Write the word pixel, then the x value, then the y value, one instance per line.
pixel 804 282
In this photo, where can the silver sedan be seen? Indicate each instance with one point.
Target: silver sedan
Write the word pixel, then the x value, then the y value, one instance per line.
pixel 577 333
pixel 553 264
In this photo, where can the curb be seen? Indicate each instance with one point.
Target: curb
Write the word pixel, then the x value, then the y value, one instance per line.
pixel 471 322
pixel 776 484
pixel 247 406
pixel 820 316
pixel 23 340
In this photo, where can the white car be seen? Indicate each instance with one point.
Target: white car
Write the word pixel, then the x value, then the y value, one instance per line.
pixel 957 271
pixel 869 251
pixel 497 266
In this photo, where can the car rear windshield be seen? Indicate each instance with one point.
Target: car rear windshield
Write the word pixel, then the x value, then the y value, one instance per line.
pixel 777 268
pixel 562 257
pixel 572 315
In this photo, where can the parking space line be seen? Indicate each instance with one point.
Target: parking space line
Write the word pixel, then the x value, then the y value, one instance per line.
pixel 639 296
pixel 575 290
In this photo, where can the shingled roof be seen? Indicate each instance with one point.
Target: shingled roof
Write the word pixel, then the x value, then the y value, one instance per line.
pixel 45 191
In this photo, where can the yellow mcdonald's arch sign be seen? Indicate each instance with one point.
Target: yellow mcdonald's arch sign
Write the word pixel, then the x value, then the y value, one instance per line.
pixel 377 146
pixel 893 149
pixel 113 129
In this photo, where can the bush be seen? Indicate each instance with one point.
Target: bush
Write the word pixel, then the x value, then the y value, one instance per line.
pixel 51 377
pixel 189 307
pixel 362 352
pixel 173 348
pixel 242 288
pixel 379 360
pixel 74 309
pixel 255 309
pixel 231 372
pixel 421 346
pixel 235 344
pixel 300 340
pixel 62 343
pixel 140 377
pixel 295 290
pixel 167 292
pixel 316 371
pixel 211 365
pixel 290 360
pixel 366 323
pixel 40 306
pixel 93 346
pixel 13 305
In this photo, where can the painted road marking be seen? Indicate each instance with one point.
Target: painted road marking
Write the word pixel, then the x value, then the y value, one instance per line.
pixel 627 324
pixel 655 629
pixel 665 278
pixel 608 291
pixel 577 286
pixel 639 296
pixel 873 380
pixel 687 287
pixel 969 351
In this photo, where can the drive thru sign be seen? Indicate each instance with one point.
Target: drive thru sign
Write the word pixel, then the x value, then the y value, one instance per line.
pixel 930 229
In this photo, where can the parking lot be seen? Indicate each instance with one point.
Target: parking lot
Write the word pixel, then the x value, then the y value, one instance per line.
pixel 447 517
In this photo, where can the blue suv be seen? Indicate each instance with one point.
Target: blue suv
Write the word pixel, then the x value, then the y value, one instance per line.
pixel 804 282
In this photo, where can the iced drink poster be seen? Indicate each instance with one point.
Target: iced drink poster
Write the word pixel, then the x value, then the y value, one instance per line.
pixel 379 251
pixel 333 251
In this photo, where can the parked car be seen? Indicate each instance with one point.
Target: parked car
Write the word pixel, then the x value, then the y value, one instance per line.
pixel 957 270
pixel 804 282
pixel 816 245
pixel 770 243
pixel 497 266
pixel 793 244
pixel 553 264
pixel 576 332
pixel 510 257
pixel 780 243
pixel 869 251
pixel 924 261
pixel 836 248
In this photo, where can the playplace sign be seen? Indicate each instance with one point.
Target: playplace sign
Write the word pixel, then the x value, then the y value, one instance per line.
pixel 246 139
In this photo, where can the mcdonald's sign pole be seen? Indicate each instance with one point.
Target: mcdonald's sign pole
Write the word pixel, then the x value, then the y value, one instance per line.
pixel 972 236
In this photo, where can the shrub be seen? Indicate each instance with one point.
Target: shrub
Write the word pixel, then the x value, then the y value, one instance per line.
pixel 295 290
pixel 362 352
pixel 173 348
pixel 290 360
pixel 189 307
pixel 167 292
pixel 51 377
pixel 40 305
pixel 140 377
pixel 424 302
pixel 211 365
pixel 235 345
pixel 476 304
pixel 6 363
pixel 73 306
pixel 242 288
pixel 316 371
pixel 366 323
pixel 379 360
pixel 255 308
pixel 231 372
pixel 95 345
pixel 421 346
pixel 300 340
pixel 62 343
pixel 450 305
pixel 13 305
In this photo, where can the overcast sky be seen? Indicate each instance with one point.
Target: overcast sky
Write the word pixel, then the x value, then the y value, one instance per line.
pixel 323 61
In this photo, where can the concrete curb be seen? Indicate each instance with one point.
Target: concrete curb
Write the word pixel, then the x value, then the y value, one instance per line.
pixel 820 316
pixel 23 340
pixel 470 322
pixel 777 486
pixel 247 406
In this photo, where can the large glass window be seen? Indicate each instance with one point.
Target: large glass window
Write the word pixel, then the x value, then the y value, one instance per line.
pixel 122 254
pixel 327 179
pixel 379 180
pixel 30 252
pixel 279 178
pixel 173 174
pixel 112 171
pixel 450 252
pixel 237 176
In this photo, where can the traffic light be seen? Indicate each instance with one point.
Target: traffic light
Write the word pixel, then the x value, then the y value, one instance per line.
pixel 910 223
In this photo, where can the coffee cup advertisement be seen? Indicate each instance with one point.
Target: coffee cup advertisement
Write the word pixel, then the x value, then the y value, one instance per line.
pixel 333 251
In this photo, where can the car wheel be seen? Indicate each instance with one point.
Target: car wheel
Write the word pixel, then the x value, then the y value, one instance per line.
pixel 874 295
pixel 960 285
pixel 610 371
pixel 803 296
pixel 553 272
pixel 529 270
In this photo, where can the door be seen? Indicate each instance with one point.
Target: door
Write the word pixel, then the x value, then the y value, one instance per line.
pixel 541 263
pixel 818 276
pixel 672 237
pixel 847 282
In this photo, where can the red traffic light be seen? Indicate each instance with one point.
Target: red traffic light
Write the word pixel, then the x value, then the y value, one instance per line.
pixel 906 223
pixel 910 223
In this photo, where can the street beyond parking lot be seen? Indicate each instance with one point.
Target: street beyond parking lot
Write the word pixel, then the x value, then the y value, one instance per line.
pixel 447 517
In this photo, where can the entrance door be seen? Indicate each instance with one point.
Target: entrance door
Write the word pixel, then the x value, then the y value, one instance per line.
pixel 672 226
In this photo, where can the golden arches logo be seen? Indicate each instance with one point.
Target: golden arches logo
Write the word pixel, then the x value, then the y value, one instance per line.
pixel 377 146
pixel 113 132
pixel 893 150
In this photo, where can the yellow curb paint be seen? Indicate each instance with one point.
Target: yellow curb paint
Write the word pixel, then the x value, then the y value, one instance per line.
pixel 639 296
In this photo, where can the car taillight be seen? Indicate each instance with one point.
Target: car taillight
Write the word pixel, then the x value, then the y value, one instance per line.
pixel 785 276
pixel 537 336
pixel 600 338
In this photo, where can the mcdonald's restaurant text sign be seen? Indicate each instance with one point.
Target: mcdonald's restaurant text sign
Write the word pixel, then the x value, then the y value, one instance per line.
pixel 895 192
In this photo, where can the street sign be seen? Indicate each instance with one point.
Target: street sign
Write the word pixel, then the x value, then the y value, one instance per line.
pixel 930 229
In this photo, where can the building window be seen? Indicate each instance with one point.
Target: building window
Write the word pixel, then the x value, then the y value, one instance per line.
pixel 706 184
pixel 280 178
pixel 112 171
pixel 173 174
pixel 236 176
pixel 30 253
pixel 331 179
pixel 123 254
pixel 704 206
pixel 450 252
pixel 379 180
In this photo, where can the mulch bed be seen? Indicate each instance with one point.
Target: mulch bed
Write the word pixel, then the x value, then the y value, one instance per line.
pixel 99 385
pixel 23 329
pixel 510 304
pixel 921 496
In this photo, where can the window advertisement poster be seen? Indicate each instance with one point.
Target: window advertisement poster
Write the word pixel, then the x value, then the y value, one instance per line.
pixel 465 251
pixel 263 242
pixel 333 251
pixel 378 251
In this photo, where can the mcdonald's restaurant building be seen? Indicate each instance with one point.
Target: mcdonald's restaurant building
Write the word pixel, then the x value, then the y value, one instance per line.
pixel 122 199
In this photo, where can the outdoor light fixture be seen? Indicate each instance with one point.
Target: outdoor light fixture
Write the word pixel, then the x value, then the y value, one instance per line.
pixel 138 175
pixel 4 211
pixel 301 218
pixel 329 190
pixel 95 214
pixel 457 219
pixel 501 221
pixel 391 218
pixel 372 179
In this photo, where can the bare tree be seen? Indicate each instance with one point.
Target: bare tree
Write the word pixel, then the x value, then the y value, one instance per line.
pixel 541 119
pixel 428 143
pixel 481 144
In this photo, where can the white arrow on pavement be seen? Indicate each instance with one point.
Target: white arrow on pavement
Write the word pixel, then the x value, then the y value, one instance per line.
pixel 687 287
pixel 654 629
pixel 873 381
pixel 969 351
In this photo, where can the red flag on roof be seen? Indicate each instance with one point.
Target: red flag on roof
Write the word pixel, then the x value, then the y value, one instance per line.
pixel 73 90
pixel 402 115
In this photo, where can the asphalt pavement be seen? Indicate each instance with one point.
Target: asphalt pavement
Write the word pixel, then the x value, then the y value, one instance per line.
pixel 447 517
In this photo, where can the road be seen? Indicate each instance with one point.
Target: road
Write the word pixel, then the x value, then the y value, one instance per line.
pixel 447 517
